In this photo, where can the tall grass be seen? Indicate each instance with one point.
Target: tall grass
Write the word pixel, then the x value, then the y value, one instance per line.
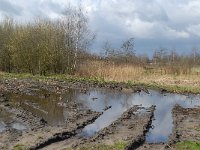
pixel 109 70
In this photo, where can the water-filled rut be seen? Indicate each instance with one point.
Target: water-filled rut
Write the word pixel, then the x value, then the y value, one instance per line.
pixel 55 109
pixel 162 124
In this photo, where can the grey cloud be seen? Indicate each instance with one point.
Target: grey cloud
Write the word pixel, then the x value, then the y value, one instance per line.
pixel 155 23
pixel 51 6
pixel 150 11
pixel 7 8
pixel 139 18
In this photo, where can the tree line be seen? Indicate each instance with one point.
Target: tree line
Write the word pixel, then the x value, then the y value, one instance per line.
pixel 175 63
pixel 44 46
pixel 164 61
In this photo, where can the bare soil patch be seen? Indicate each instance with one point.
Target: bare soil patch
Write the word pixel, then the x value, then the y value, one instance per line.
pixel 186 125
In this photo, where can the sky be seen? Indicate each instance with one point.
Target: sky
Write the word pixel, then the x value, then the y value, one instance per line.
pixel 154 24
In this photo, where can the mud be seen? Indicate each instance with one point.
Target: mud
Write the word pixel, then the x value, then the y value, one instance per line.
pixel 16 122
pixel 186 125
pixel 58 115
pixel 158 146
pixel 29 86
pixel 23 125
pixel 131 128
pixel 63 133
pixel 40 134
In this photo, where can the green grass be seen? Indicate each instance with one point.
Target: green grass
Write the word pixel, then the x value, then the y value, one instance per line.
pixel 68 78
pixel 19 147
pixel 188 145
pixel 197 128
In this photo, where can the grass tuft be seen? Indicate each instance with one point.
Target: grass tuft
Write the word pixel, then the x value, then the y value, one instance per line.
pixel 187 145
pixel 19 147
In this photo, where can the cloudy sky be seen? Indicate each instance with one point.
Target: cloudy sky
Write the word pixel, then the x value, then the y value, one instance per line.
pixel 172 24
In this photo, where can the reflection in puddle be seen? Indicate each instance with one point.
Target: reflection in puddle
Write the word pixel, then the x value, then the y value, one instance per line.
pixel 4 119
pixel 98 100
pixel 2 126
pixel 46 108
pixel 18 126
pixel 7 122
pixel 120 102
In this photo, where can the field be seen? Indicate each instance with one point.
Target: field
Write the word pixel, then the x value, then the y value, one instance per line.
pixel 34 108
pixel 62 90
pixel 151 76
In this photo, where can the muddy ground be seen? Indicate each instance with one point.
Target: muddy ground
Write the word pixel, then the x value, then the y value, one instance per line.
pixel 40 133
pixel 130 128
pixel 29 86
pixel 186 125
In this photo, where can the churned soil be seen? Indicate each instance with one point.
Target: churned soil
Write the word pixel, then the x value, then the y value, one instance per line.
pixel 130 128
pixel 38 132
pixel 186 125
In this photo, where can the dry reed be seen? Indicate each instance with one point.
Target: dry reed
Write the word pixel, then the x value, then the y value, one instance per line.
pixel 129 72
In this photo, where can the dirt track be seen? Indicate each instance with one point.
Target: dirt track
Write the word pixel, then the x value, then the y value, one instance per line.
pixel 186 125
pixel 131 127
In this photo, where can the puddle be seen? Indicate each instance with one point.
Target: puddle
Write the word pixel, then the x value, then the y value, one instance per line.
pixel 7 122
pixel 98 100
pixel 44 107
pixel 4 119
pixel 18 126
pixel 163 122
pixel 2 126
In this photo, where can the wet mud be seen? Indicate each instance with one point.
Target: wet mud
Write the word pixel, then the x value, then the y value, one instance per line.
pixel 186 125
pixel 130 128
pixel 37 133
pixel 59 115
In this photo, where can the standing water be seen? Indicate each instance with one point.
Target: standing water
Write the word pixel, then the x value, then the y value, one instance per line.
pixel 120 102
pixel 98 100
pixel 6 122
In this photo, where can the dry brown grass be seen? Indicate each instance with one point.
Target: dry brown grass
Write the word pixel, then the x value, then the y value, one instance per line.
pixel 110 71
pixel 113 72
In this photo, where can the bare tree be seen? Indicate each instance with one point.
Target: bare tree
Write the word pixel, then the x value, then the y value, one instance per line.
pixel 127 49
pixel 78 36
pixel 107 49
